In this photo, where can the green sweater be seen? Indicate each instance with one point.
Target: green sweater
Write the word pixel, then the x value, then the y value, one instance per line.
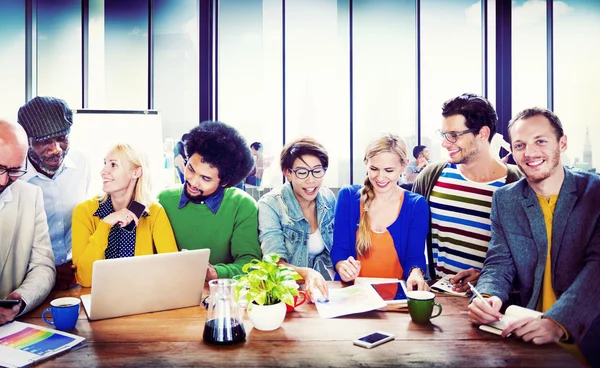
pixel 231 234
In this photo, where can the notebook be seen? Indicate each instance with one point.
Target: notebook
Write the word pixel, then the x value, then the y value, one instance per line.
pixel 24 344
pixel 444 285
pixel 134 285
pixel 512 313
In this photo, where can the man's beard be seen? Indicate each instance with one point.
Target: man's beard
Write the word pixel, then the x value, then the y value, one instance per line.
pixel 8 184
pixel 466 156
pixel 39 161
pixel 197 199
pixel 554 161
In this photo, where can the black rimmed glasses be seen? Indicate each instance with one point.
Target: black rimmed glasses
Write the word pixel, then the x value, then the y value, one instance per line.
pixel 15 173
pixel 452 137
pixel 303 173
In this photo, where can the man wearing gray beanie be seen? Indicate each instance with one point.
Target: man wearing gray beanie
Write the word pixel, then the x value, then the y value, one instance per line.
pixel 63 175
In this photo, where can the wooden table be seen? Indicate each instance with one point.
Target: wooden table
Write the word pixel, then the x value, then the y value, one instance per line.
pixel 174 338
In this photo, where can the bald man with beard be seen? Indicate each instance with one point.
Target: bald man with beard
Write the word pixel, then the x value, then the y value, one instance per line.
pixel 26 258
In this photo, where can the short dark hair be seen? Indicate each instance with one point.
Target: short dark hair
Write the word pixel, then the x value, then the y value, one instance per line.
pixel 417 150
pixel 477 111
pixel 221 146
pixel 185 137
pixel 256 146
pixel 535 111
pixel 300 147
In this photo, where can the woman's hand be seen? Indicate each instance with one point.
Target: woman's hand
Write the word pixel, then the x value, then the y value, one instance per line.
pixel 416 281
pixel 122 217
pixel 348 269
pixel 314 281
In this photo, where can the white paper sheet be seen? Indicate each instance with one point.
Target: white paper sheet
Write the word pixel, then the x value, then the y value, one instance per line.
pixel 357 298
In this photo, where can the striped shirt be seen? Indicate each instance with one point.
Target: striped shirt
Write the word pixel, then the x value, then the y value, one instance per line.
pixel 460 221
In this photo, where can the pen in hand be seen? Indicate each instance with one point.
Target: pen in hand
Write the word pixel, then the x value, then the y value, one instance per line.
pixel 479 296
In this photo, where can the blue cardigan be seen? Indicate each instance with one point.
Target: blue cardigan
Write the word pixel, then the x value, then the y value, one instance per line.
pixel 409 231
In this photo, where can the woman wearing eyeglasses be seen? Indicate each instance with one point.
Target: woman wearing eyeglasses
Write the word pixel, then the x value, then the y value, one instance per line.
pixel 296 220
pixel 380 229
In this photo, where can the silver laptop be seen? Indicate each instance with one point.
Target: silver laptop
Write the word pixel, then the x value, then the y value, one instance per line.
pixel 134 285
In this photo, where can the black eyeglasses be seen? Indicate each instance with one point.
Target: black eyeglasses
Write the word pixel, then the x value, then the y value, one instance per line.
pixel 303 173
pixel 15 173
pixel 452 137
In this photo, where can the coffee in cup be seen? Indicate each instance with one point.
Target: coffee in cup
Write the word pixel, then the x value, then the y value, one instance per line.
pixel 65 312
pixel 420 306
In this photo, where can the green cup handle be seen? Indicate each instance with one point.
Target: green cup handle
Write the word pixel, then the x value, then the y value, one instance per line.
pixel 439 309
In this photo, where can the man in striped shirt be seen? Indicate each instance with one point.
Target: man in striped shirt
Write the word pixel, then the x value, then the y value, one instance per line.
pixel 459 190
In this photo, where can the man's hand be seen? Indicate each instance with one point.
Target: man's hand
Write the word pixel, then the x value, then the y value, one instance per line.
pixel 482 313
pixel 537 330
pixel 211 273
pixel 348 269
pixel 9 314
pixel 65 274
pixel 459 281
pixel 416 281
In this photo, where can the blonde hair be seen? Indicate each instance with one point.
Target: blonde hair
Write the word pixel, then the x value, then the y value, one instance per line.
pixel 388 143
pixel 138 159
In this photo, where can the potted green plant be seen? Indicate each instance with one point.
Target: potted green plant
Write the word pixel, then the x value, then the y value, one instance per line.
pixel 269 287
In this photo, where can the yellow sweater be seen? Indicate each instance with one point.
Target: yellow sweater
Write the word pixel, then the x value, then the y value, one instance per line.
pixel 548 297
pixel 90 237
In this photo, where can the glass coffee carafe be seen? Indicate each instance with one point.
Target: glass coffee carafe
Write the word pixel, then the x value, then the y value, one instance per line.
pixel 224 317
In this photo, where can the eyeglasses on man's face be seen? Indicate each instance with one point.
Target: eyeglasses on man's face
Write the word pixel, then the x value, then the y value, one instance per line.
pixel 15 173
pixel 452 137
pixel 303 173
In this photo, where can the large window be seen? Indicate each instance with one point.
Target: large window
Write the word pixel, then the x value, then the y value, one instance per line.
pixel 317 79
pixel 59 50
pixel 176 86
pixel 577 78
pixel 340 71
pixel 250 77
pixel 250 87
pixel 450 61
pixel 12 57
pixel 118 43
pixel 529 71
pixel 385 99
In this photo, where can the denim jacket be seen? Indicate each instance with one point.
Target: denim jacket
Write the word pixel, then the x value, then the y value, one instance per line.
pixel 284 230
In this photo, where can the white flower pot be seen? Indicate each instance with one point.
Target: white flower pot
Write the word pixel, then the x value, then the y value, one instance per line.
pixel 266 317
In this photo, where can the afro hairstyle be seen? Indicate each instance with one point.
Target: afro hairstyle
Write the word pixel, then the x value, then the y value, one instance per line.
pixel 221 146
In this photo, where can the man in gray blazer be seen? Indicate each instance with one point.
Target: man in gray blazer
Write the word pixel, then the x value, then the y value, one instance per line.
pixel 545 242
pixel 27 270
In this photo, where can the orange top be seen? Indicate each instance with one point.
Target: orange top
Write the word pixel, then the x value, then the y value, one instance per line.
pixel 382 260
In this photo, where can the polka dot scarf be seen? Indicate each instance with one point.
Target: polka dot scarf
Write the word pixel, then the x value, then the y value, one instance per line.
pixel 121 243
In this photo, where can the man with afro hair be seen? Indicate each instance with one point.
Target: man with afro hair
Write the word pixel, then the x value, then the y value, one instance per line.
pixel 207 211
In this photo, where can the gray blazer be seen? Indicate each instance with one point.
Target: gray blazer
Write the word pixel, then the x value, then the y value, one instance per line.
pixel 26 258
pixel 518 248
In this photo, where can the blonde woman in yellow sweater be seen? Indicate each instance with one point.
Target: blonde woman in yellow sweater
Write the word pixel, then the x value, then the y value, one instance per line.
pixel 99 224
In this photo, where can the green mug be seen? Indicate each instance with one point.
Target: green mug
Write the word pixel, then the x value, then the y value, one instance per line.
pixel 420 306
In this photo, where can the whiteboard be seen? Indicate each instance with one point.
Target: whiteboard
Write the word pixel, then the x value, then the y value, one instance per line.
pixel 94 132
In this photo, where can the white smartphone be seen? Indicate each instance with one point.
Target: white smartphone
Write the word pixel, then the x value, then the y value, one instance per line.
pixel 374 339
